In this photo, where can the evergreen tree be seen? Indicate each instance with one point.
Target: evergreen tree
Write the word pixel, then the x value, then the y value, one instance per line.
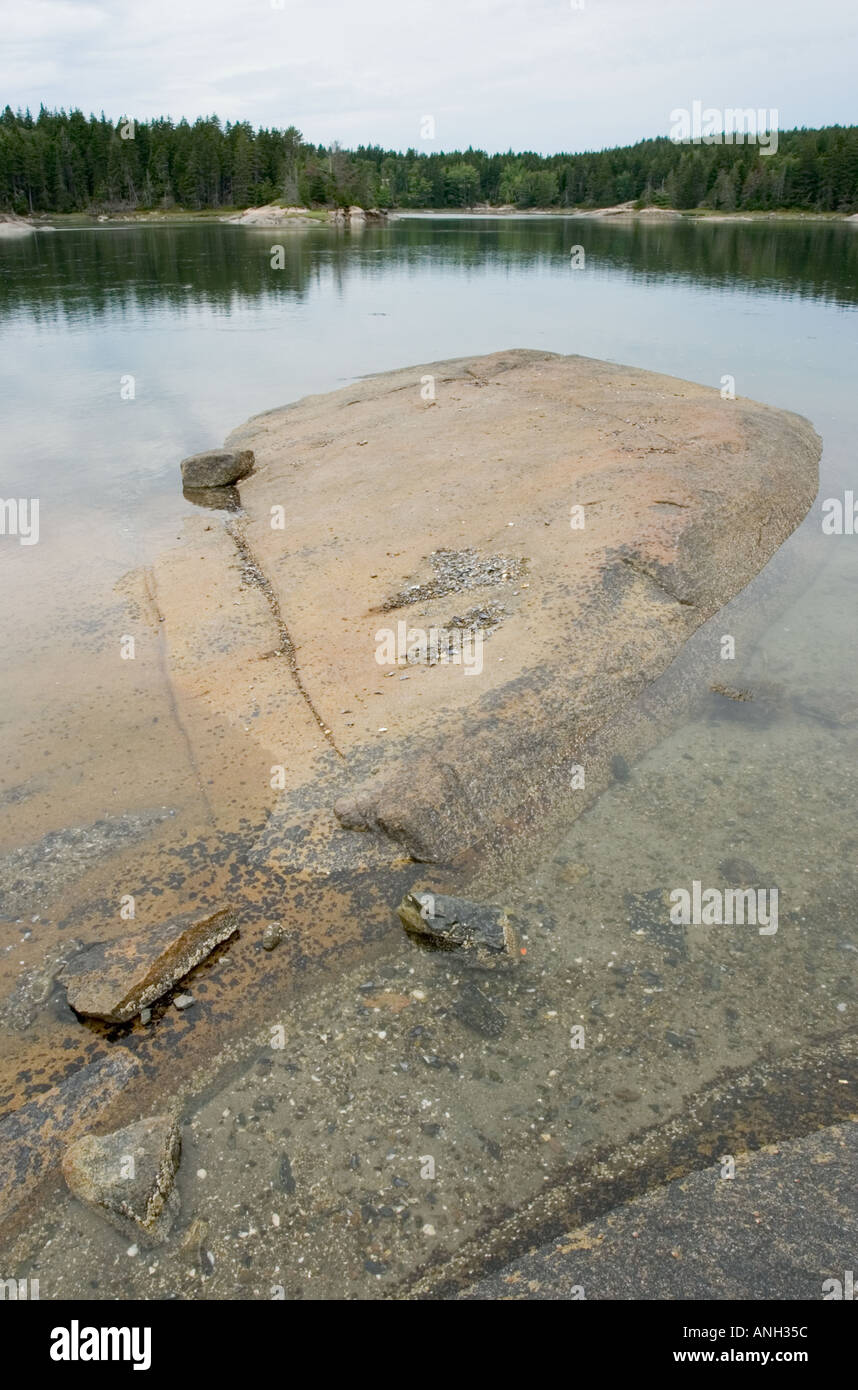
pixel 65 162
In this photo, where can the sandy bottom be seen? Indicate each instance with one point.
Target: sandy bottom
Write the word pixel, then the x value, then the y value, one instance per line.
pixel 373 1126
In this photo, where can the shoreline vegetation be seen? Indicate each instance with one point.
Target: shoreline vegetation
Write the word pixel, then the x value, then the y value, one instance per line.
pixel 63 163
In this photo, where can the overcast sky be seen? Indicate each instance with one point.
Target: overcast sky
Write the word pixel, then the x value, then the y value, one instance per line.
pixel 545 75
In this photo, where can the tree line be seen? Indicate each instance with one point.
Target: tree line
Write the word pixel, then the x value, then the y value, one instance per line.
pixel 62 162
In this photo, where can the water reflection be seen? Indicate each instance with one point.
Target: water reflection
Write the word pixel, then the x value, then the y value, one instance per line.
pixel 138 269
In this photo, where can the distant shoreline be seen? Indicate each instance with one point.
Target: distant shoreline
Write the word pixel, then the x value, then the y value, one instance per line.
pixel 621 215
pixel 330 217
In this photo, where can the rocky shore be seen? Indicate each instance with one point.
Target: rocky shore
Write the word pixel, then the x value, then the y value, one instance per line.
pixel 434 623
pixel 12 227
pixel 277 215
pixel 297 217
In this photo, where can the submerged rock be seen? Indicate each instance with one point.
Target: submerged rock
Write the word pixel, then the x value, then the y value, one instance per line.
pixel 604 512
pixel 272 936
pixel 610 511
pixel 221 499
pixel 128 1176
pixel 481 935
pixel 34 988
pixel 477 1012
pixel 216 468
pixel 32 1138
pixel 114 980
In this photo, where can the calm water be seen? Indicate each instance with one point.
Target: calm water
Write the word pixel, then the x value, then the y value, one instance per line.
pixel 126 348
pixel 211 334
pixel 195 319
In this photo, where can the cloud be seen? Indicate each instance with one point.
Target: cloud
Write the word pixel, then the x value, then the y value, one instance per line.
pixel 537 74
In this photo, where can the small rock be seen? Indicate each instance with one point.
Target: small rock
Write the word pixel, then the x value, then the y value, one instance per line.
pixel 216 467
pixel 128 1176
pixel 193 1246
pixel 285 1176
pixel 476 1011
pixel 620 768
pixel 741 873
pixel 272 936
pixel 480 935
pixel 183 1001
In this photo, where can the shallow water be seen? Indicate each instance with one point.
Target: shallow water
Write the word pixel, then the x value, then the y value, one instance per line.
pixel 195 321
pixel 755 790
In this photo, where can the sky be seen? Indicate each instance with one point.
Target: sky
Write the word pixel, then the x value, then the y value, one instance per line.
pixel 544 75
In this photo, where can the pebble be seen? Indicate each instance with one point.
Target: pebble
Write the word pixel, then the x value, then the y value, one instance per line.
pixel 272 936
pixel 183 1001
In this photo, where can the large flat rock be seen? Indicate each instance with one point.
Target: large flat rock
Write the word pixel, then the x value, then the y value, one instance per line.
pixel 442 496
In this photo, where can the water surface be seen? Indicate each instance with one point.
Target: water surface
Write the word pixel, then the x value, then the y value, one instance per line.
pixel 211 334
